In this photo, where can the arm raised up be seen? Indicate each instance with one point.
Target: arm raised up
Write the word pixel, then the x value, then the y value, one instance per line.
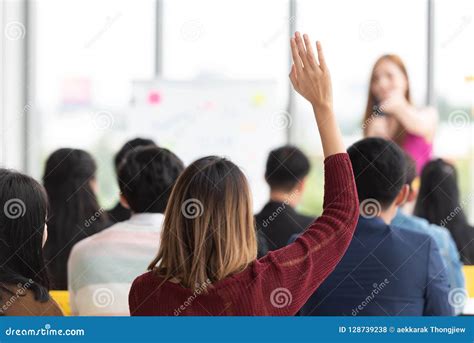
pixel 311 78
pixel 294 272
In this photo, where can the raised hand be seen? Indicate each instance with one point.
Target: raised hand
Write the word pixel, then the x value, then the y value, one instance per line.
pixel 310 78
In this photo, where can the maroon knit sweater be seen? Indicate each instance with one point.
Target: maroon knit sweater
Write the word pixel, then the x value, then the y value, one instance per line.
pixel 277 284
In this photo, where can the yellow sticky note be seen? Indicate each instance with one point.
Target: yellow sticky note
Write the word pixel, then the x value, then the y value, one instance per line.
pixel 258 99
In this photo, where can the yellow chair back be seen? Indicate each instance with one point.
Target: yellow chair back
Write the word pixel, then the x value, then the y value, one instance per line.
pixel 62 298
pixel 469 276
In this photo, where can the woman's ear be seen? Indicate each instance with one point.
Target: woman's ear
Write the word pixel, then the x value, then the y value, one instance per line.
pixel 94 185
pixel 124 202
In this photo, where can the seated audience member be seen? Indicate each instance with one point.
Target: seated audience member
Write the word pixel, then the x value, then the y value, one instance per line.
pixel 103 266
pixel 386 271
pixel 209 244
pixel 286 172
pixel 119 213
pixel 439 202
pixel 441 235
pixel 24 283
pixel 69 180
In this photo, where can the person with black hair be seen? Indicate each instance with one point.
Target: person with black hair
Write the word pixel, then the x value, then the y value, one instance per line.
pixel 103 266
pixel 441 235
pixel 286 171
pixel 119 213
pixel 70 182
pixel 24 282
pixel 439 202
pixel 386 271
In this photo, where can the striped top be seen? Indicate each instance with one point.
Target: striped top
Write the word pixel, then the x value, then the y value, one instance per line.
pixel 101 268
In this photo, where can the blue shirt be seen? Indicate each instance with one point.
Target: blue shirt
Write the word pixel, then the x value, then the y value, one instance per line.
pixel 444 240
pixel 386 271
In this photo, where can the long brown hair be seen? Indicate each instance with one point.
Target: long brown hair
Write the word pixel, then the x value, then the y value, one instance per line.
pixel 371 107
pixel 208 231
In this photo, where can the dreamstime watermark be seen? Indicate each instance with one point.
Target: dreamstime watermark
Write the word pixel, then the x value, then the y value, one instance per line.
pixel 282 29
pixel 109 21
pixel 457 297
pixel 377 288
pixel 281 120
pixel 465 21
pixel 457 210
pixel 198 291
pixel 103 120
pixel 27 108
pixel 15 30
pixel 103 297
pixel 44 331
pixel 280 208
pixel 192 208
pixel 88 222
pixel 378 111
pixel 192 30
pixel 370 30
pixel 14 208
pixel 21 291
pixel 459 119
pixel 281 297
pixel 370 208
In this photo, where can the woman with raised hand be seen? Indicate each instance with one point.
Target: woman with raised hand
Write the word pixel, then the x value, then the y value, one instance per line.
pixel 207 265
pixel 391 114
pixel 24 283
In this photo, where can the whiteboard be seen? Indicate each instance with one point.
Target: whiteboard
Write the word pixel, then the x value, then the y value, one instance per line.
pixel 239 120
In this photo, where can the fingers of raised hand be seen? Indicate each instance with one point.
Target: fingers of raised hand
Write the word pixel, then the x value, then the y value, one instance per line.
pixel 310 54
pixel 296 58
pixel 301 50
pixel 322 60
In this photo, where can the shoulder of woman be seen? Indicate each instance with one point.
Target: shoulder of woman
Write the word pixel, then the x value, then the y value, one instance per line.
pixel 144 279
pixel 23 302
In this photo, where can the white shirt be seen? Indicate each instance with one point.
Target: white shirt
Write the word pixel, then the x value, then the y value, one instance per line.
pixel 102 267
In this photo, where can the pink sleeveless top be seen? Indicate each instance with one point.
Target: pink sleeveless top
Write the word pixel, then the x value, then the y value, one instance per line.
pixel 419 149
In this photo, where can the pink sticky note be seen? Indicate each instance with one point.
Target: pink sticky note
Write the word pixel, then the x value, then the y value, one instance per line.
pixel 154 97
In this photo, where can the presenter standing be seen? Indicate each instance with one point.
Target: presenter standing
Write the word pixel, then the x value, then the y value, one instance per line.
pixel 391 114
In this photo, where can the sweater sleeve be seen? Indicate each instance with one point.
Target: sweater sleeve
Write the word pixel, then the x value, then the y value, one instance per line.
pixel 287 277
pixel 132 299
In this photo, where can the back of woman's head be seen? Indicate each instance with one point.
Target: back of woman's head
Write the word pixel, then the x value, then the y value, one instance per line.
pixel 439 197
pixel 208 232
pixel 24 204
pixel 68 178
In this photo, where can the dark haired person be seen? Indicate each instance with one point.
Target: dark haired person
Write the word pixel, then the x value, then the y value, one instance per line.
pixel 119 213
pixel 24 283
pixel 386 271
pixel 440 203
pixel 286 171
pixel 102 267
pixel 441 235
pixel 70 182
